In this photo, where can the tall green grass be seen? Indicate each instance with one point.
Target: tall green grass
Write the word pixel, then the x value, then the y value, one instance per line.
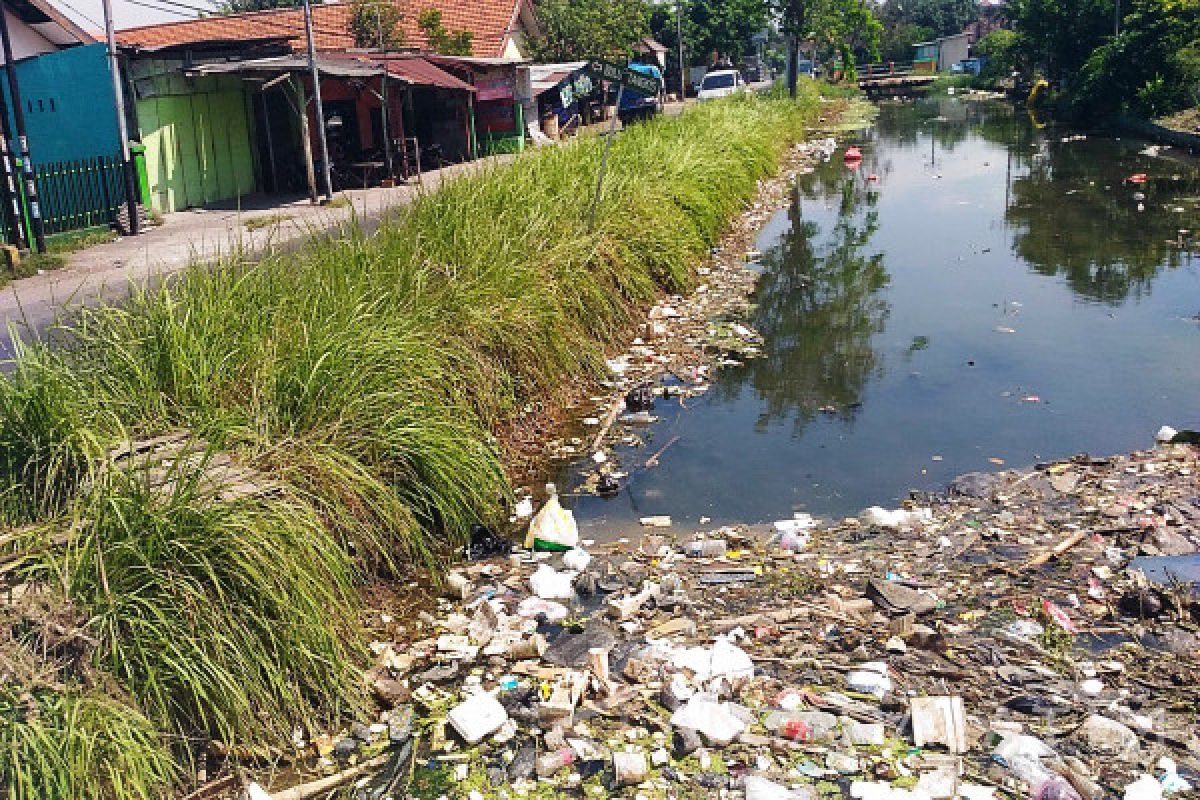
pixel 366 374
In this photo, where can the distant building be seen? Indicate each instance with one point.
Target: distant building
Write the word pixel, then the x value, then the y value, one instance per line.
pixel 942 53
pixel 992 17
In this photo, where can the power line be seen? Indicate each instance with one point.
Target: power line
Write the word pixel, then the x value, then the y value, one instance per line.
pixel 81 14
pixel 197 9
pixel 159 8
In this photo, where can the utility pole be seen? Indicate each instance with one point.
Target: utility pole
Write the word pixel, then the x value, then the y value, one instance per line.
pixel 114 66
pixel 14 93
pixel 12 208
pixel 679 36
pixel 326 180
pixel 793 64
pixel 1117 19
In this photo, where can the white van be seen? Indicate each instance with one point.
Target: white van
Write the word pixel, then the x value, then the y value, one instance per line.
pixel 721 83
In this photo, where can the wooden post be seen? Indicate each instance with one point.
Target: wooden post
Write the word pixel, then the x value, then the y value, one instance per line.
pixel 266 115
pixel 310 169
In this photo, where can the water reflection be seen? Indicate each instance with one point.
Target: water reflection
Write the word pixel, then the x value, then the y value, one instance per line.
pixel 1076 214
pixel 819 306
pixel 922 318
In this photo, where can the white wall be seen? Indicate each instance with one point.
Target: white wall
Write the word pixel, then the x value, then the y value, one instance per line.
pixel 25 40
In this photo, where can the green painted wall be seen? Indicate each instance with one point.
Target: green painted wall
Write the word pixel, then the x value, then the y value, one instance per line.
pixel 198 139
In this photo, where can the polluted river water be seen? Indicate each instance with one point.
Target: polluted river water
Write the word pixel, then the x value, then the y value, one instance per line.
pixel 982 292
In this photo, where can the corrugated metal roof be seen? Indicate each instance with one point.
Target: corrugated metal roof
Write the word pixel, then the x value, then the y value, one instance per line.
pixel 409 69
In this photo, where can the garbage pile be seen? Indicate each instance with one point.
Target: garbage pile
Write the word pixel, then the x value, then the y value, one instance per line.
pixel 1026 634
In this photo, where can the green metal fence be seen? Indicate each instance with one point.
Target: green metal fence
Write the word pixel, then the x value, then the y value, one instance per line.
pixel 80 194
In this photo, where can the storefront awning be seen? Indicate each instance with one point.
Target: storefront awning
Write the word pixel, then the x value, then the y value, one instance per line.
pixel 421 72
pixel 412 70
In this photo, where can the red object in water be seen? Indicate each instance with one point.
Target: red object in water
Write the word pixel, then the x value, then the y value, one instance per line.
pixel 1138 177
pixel 853 154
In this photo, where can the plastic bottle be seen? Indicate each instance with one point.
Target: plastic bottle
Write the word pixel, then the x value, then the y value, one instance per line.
pixel 549 763
pixel 1043 784
pixel 801 726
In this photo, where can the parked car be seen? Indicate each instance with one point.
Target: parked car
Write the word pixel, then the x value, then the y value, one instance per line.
pixel 721 83
pixel 636 107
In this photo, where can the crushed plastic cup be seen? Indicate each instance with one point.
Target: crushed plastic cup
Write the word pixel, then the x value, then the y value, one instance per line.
pixel 550 584
pixel 870 678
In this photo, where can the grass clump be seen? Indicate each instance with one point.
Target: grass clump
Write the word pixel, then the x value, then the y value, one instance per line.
pixel 365 375
pixel 70 745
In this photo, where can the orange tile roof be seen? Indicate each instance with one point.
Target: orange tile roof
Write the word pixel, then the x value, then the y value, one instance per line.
pixel 491 22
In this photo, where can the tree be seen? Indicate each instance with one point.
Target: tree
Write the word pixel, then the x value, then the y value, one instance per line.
pixel 450 43
pixel 1058 36
pixel 579 30
pixel 1151 68
pixel 723 27
pixel 242 6
pixel 376 24
pixel 1000 50
pixel 847 29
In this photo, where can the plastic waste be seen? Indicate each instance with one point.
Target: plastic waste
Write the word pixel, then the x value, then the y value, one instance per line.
pixel 548 764
pixel 550 584
pixel 256 792
pixel 870 678
pixel 898 518
pixel 1144 788
pixel 629 769
pixel 1024 629
pixel 477 716
pixel 801 726
pixel 712 720
pixel 1170 779
pixel 1105 736
pixel 724 659
pixel 534 607
pixel 1165 434
pixel 881 790
pixel 553 528
pixel 759 788
pixel 576 559
pixel 706 548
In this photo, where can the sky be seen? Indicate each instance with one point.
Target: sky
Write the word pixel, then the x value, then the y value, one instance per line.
pixel 89 14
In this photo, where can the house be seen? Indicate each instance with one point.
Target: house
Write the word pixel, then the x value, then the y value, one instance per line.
pixel 224 103
pixel 69 114
pixel 499 28
pixel 650 51
pixel 942 53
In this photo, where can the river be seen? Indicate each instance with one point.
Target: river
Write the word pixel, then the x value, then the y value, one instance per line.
pixel 983 292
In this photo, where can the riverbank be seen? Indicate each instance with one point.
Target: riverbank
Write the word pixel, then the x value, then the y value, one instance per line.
pixel 304 424
pixel 1030 630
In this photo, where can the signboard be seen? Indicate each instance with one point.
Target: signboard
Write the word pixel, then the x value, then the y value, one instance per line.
pixel 494 89
pixel 631 79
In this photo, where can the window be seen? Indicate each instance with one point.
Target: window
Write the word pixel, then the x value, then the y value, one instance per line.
pixel 718 80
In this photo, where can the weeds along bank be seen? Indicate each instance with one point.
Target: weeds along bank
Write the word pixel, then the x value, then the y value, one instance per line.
pixel 327 419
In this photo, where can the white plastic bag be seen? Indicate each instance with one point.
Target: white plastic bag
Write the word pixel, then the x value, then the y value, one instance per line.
pixel 550 584
pixel 713 720
pixel 724 660
pixel 553 528
pixel 533 607
pixel 576 559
